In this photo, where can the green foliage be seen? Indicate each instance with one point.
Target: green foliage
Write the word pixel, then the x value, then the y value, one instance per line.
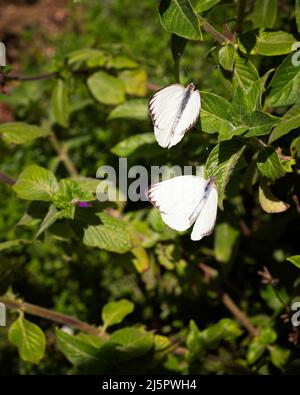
pixel 114 312
pixel 29 339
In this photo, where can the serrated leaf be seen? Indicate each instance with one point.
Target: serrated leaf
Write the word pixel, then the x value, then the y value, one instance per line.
pixel 60 103
pixel 114 312
pixel 36 183
pixel 269 202
pixel 135 81
pixel 215 114
pixel 131 109
pixel 264 13
pixel 268 164
pixel 295 260
pixel 111 236
pixel 77 351
pixel 20 133
pixel 133 342
pixel 284 88
pixel 106 88
pixel 274 43
pixel 289 121
pixel 29 339
pixel 179 17
pixel 129 145
pixel 227 56
pixel 221 162
pixel 245 73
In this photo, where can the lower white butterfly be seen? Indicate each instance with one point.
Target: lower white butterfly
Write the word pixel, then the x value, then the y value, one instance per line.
pixel 187 200
pixel 174 110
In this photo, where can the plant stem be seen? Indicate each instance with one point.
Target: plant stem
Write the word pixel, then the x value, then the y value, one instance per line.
pixel 240 17
pixel 52 316
pixel 210 274
pixel 44 76
pixel 213 32
pixel 63 155
pixel 6 179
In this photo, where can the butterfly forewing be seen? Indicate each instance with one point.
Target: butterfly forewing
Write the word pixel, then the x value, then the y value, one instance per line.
pixel 174 110
pixel 205 222
pixel 177 200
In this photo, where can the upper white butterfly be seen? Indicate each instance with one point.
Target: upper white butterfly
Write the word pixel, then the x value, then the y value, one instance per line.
pixel 174 110
pixel 187 200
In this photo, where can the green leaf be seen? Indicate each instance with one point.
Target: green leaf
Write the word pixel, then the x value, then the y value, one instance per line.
pixel 60 103
pixel 87 57
pixel 284 88
pixel 264 13
pixel 269 202
pixel 268 164
pixel 52 215
pixel 68 196
pixel 36 183
pixel 279 356
pixel 5 245
pixel 221 162
pixel 114 312
pixel 295 260
pixel 204 5
pixel 245 73
pixel 135 81
pixel 132 143
pixel 215 114
pixel 297 14
pixel 20 133
pixel 77 351
pixel 29 339
pixel 289 121
pixel 111 236
pixel 133 342
pixel 274 43
pixel 255 351
pixel 179 17
pixel 121 62
pixel 132 109
pixel 106 88
pixel 225 242
pixel 258 123
pixel 227 56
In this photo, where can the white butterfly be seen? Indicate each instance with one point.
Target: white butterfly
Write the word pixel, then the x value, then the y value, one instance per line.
pixel 174 110
pixel 187 200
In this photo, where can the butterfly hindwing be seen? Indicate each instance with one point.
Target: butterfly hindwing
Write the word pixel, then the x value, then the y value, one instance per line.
pixel 177 199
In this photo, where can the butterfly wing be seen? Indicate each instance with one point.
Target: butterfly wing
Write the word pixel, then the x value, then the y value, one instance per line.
pixel 177 200
pixel 164 108
pixel 188 118
pixel 205 222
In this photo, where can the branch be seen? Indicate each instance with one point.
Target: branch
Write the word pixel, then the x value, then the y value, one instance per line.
pixel 63 155
pixel 46 76
pixel 240 17
pixel 210 274
pixel 6 179
pixel 213 32
pixel 52 316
